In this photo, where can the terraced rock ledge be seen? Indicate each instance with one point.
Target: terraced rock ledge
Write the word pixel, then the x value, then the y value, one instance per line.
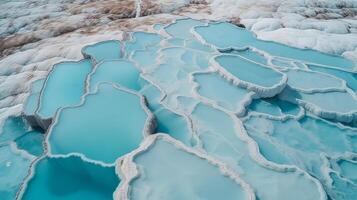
pixel 191 109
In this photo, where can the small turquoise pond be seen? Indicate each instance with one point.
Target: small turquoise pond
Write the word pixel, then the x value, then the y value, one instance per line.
pixel 57 93
pixel 250 72
pixel 57 178
pixel 105 50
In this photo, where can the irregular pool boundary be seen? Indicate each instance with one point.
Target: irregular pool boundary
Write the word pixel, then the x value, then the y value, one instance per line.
pixel 254 153
pixel 7 115
pixel 161 56
pixel 44 122
pixel 128 169
pixel 92 58
pixel 230 48
pixel 31 171
pixel 95 68
pixel 31 117
pixel 284 117
pixel 349 77
pixel 242 106
pixel 342 88
pixel 188 119
pixel 261 91
pixel 142 69
pixel 22 152
pixel 133 39
pixel 330 169
pixel 144 74
pixel 183 18
pixel 164 32
pixel 326 167
pixel 149 126
pixel 150 123
pixel 346 117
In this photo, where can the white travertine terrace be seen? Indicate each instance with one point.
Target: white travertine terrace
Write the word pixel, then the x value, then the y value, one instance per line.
pixel 199 119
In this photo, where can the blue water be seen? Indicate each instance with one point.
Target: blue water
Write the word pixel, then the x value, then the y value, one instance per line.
pixel 248 71
pixel 282 63
pixel 225 36
pixel 141 40
pixel 181 29
pixel 12 128
pixel 121 72
pixel 151 93
pixel 199 182
pixel 327 101
pixel 105 50
pixel 32 101
pixel 350 78
pixel 348 169
pixel 274 107
pixel 222 92
pixel 306 80
pixel 303 142
pixel 31 142
pixel 220 138
pixel 251 55
pixel 146 58
pixel 13 169
pixel 173 124
pixel 107 125
pixel 203 84
pixel 71 178
pixel 64 86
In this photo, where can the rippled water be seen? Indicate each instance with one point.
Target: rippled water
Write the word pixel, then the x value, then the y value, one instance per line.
pixel 192 110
